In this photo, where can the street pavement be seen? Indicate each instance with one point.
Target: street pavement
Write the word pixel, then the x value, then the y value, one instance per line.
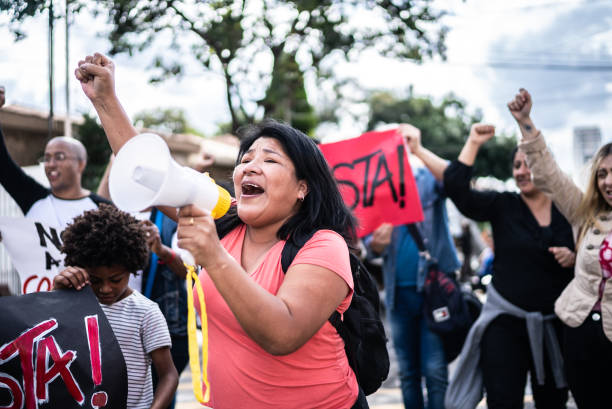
pixel 389 396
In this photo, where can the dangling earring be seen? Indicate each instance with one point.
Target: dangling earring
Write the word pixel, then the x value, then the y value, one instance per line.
pixel 301 198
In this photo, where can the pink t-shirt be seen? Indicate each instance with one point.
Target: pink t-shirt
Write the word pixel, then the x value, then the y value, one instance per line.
pixel 243 375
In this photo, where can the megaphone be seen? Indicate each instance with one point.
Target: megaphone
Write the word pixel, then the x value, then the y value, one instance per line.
pixel 144 175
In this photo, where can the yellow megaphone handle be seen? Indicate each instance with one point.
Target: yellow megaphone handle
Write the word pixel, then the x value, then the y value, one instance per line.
pixel 194 358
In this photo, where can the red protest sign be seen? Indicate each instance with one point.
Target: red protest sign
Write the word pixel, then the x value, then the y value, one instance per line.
pixel 375 179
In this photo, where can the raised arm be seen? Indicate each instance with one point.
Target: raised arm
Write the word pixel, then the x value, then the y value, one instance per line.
pixel 479 134
pixel 477 205
pixel 520 108
pixel 547 175
pixel 97 76
pixel 22 188
pixel 103 185
pixel 434 163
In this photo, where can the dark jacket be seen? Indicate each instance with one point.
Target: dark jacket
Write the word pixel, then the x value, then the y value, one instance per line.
pixel 169 290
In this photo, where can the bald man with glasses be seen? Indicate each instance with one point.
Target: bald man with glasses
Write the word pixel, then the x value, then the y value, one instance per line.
pixel 64 161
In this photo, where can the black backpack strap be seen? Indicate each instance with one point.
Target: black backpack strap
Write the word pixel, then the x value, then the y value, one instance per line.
pixel 357 269
pixel 416 236
pixel 336 318
pixel 227 222
pixel 418 239
pixel 288 254
pixel 291 248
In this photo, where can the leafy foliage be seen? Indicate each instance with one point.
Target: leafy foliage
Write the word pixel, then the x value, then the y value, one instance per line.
pixel 247 40
pixel 171 120
pixel 93 137
pixel 444 129
pixel 20 10
pixel 286 98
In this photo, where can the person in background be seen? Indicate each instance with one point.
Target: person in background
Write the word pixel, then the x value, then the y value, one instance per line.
pixel 163 281
pixel 585 305
pixel 532 264
pixel 270 342
pixel 103 247
pixel 64 162
pixel 487 255
pixel 419 351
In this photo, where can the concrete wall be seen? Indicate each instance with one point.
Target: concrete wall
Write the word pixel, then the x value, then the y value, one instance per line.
pixel 26 132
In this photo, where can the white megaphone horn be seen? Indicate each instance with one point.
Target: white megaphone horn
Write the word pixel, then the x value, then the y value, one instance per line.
pixel 145 175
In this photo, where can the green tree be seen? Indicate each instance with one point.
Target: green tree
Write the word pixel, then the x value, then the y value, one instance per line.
pixel 444 129
pixel 171 120
pixel 286 97
pixel 93 137
pixel 244 39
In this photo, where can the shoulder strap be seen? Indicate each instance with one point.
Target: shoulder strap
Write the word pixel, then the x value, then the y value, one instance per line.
pixel 228 222
pixel 291 248
pixel 159 216
pixel 99 199
pixel 416 236
pixel 289 252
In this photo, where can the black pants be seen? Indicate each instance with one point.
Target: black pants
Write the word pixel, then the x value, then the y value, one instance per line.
pixel 588 364
pixel 361 402
pixel 505 359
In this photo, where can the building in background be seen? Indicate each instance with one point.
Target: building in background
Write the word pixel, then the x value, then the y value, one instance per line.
pixel 587 139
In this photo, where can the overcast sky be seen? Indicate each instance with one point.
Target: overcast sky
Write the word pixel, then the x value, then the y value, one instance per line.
pixel 494 48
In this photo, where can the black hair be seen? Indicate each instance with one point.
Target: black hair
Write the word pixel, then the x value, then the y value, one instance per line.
pixel 105 237
pixel 512 155
pixel 323 207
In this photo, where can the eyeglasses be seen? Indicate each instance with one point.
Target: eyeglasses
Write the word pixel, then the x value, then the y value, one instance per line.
pixel 57 156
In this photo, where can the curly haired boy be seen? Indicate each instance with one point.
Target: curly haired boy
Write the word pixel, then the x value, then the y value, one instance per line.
pixel 103 247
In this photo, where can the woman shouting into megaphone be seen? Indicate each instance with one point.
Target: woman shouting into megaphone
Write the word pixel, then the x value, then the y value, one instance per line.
pixel 270 342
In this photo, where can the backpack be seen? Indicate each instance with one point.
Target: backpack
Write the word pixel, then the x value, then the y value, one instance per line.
pixel 449 311
pixel 453 341
pixel 361 328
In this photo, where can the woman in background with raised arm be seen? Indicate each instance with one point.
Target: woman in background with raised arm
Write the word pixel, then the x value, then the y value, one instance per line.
pixel 586 303
pixel 532 265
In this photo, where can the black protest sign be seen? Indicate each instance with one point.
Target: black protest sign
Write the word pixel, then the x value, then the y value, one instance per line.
pixel 57 350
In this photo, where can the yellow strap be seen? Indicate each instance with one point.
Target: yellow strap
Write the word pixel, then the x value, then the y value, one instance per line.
pixel 194 358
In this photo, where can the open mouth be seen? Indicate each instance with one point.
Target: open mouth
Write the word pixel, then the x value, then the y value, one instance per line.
pixel 53 175
pixel 251 189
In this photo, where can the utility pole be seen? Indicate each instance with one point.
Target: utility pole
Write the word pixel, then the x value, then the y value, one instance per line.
pixel 50 124
pixel 67 122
